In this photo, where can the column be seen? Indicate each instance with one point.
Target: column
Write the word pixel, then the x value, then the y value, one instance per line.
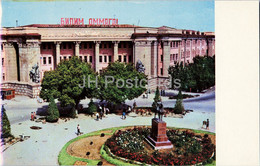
pixel 154 57
pixel 209 47
pixel 115 50
pixel 11 62
pixel 166 57
pixel 77 43
pixel 58 43
pixel 96 57
pixel 179 52
pixel 185 44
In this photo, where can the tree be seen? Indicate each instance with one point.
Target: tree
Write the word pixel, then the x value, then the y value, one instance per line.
pixel 53 112
pixel 6 128
pixel 198 75
pixel 91 108
pixel 156 99
pixel 115 81
pixel 64 81
pixel 178 108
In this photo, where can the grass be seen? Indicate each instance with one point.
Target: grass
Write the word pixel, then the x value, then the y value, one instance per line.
pixel 65 159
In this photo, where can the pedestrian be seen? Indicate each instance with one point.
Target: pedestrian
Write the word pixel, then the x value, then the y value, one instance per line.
pixel 32 116
pixel 124 116
pixel 207 124
pixel 78 129
pixel 101 114
pixel 129 109
pixel 134 105
pixel 107 111
pixel 104 110
pixel 97 116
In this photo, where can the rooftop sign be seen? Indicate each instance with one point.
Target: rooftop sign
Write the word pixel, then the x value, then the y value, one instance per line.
pixel 91 21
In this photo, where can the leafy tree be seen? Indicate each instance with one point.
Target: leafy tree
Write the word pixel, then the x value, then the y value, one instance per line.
pixel 6 128
pixel 64 81
pixel 198 75
pixel 53 112
pixel 178 108
pixel 91 107
pixel 120 90
pixel 156 99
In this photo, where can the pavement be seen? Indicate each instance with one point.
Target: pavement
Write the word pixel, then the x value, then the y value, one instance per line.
pixel 44 145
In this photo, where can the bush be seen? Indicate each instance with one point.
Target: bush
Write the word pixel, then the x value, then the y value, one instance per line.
pixel 53 112
pixel 91 108
pixel 178 108
pixel 73 113
pixel 6 128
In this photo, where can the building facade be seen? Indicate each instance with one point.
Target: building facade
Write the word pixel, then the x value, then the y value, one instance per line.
pixel 47 45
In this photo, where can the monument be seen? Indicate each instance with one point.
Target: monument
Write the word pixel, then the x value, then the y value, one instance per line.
pixel 158 138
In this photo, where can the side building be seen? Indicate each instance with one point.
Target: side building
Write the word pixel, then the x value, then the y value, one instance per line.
pixel 46 45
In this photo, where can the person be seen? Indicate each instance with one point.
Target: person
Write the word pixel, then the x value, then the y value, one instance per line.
pixel 78 129
pixel 134 105
pixel 129 109
pixel 107 111
pixel 32 118
pixel 34 115
pixel 123 116
pixel 101 114
pixel 97 116
pixel 207 124
pixel 104 110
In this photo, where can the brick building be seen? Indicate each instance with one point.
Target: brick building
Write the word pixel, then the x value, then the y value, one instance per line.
pixel 48 44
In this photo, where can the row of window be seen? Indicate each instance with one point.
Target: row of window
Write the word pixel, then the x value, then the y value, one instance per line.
pixel 173 57
pixel 174 44
pixel 86 45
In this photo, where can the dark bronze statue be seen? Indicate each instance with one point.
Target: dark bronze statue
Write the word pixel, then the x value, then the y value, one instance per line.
pixel 159 110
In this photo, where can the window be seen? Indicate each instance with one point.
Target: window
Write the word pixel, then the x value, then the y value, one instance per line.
pixel 109 45
pixel 80 57
pixel 130 58
pixel 161 57
pixel 65 58
pixel 119 58
pixel 105 45
pixel 105 58
pixel 44 46
pixel 110 58
pixel 125 58
pixel 49 59
pixel 119 45
pixel 90 59
pixel 70 46
pixel 90 45
pixel 129 45
pixel 64 46
pixel 80 46
pixel 100 58
pixel 3 61
pixel 124 45
pixel 100 45
pixel 85 59
pixel 44 60
pixel 161 71
pixel 49 46
pixel 85 45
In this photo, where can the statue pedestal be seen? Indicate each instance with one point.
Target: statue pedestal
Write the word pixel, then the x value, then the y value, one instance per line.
pixel 158 138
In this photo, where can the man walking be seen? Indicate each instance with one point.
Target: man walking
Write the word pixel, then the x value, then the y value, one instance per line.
pixel 207 124
pixel 78 129
pixel 97 116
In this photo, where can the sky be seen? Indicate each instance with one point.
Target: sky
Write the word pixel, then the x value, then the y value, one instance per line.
pixel 194 15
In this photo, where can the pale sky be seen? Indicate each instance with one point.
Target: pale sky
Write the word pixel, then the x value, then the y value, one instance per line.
pixel 195 15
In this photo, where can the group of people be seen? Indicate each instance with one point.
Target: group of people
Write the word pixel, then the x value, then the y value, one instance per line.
pixel 206 124
pixel 101 112
pixel 33 116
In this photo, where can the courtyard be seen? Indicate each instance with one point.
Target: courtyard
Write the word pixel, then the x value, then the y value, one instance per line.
pixel 48 141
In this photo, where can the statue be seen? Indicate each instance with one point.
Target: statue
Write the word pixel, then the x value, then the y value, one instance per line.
pixel 159 110
pixel 140 67
pixel 35 74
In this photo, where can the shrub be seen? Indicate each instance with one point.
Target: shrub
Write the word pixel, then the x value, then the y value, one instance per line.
pixel 6 128
pixel 73 113
pixel 91 108
pixel 53 112
pixel 178 108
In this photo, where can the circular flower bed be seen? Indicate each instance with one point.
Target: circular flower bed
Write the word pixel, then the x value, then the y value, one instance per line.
pixel 189 148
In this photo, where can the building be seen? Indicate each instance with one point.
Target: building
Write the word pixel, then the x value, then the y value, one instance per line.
pixel 47 44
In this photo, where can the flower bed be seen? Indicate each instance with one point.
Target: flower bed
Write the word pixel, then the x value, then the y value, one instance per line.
pixel 189 149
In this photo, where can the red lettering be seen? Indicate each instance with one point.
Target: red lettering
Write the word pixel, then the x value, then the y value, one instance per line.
pixel 67 21
pixel 90 21
pixel 101 21
pixel 76 21
pixel 106 21
pixel 81 22
pixel 62 21
pixel 71 21
pixel 95 21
